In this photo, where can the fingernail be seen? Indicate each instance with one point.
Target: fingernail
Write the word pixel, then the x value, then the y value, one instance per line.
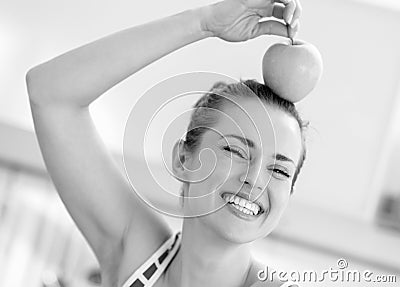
pixel 295 23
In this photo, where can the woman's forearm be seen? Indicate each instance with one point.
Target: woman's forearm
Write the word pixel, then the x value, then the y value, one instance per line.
pixel 80 76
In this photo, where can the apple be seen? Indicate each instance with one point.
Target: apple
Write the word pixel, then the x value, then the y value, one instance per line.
pixel 292 70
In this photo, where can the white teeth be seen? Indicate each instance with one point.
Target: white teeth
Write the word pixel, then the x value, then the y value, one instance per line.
pixel 242 209
pixel 249 205
pixel 242 204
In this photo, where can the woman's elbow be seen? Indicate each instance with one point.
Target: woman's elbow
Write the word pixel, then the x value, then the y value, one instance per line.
pixel 34 83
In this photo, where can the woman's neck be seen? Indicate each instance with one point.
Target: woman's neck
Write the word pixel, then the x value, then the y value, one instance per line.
pixel 207 259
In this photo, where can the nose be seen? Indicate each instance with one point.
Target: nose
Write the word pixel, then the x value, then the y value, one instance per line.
pixel 255 177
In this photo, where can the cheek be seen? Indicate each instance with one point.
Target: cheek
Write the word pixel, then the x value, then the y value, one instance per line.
pixel 279 193
pixel 216 168
pixel 208 171
pixel 204 196
pixel 201 166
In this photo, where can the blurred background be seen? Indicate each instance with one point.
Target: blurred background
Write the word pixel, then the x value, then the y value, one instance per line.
pixel 347 202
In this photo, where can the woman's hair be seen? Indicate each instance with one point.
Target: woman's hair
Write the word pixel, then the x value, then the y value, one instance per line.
pixel 205 114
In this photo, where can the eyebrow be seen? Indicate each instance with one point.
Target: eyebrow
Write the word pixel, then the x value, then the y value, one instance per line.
pixel 244 140
pixel 251 144
pixel 281 157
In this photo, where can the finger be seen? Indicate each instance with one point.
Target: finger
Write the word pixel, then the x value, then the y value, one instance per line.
pixel 292 31
pixel 296 14
pixel 264 13
pixel 271 27
pixel 289 11
pixel 278 10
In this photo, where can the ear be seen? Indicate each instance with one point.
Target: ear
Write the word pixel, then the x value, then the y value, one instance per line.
pixel 180 156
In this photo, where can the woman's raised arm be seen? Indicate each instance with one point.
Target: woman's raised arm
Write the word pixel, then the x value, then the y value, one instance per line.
pixel 78 77
pixel 83 74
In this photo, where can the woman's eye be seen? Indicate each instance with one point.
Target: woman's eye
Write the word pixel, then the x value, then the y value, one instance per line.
pixel 235 151
pixel 280 172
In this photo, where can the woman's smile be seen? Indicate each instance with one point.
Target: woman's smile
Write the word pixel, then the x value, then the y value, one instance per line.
pixel 242 204
pixel 242 212
pixel 242 208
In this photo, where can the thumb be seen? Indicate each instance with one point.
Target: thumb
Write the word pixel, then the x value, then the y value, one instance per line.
pixel 271 27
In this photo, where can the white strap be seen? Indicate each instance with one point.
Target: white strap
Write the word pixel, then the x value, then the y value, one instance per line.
pixel 154 260
pixel 165 263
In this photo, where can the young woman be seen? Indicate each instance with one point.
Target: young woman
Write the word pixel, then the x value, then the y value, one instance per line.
pixel 133 244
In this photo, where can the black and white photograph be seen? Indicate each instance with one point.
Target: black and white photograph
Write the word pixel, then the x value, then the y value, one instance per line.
pixel 188 143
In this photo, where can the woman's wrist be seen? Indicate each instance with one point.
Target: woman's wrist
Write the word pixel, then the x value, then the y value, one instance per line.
pixel 198 17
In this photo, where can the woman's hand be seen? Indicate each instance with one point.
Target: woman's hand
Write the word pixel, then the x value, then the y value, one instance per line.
pixel 241 20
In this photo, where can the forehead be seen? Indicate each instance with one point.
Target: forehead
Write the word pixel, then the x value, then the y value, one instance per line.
pixel 271 129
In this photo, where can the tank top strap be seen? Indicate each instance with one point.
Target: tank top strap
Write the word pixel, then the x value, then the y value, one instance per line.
pixel 148 273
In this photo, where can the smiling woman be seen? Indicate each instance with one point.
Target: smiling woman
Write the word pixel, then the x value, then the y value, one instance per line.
pixel 238 163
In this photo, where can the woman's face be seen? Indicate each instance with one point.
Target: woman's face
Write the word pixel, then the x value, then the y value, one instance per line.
pixel 241 174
